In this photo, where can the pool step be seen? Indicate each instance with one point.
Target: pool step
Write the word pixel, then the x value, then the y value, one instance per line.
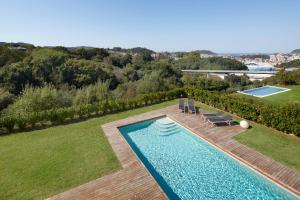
pixel 165 125
pixel 168 133
pixel 166 128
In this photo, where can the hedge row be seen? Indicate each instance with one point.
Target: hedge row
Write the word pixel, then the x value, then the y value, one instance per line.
pixel 58 116
pixel 284 118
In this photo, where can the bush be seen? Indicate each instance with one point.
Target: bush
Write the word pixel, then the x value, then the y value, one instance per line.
pixel 93 94
pixel 39 99
pixel 284 118
pixel 5 98
pixel 59 115
pixel 8 122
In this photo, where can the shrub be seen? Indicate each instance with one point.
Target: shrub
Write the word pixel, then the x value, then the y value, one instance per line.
pixel 59 115
pixel 21 121
pixel 6 98
pixel 93 94
pixel 39 99
pixel 283 118
pixel 8 122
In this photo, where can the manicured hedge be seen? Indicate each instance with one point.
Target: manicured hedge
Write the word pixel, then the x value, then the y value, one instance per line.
pixel 58 116
pixel 285 117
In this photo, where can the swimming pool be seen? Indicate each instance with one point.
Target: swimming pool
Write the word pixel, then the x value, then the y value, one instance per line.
pixel 187 167
pixel 264 91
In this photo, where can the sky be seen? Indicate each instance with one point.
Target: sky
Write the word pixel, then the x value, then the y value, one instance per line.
pixel 223 26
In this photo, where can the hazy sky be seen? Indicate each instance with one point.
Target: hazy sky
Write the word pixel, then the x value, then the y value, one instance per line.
pixel 231 26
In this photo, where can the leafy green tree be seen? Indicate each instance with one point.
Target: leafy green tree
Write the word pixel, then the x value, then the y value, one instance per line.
pixel 291 64
pixel 15 76
pixel 143 58
pixel 130 73
pixel 235 80
pixel 6 98
pixel 190 79
pixel 9 56
pixel 212 83
pixel 93 94
pixel 194 61
pixel 35 99
pixel 45 64
pixel 81 73
pixel 118 60
pixel 126 90
pixel 161 76
pixel 91 53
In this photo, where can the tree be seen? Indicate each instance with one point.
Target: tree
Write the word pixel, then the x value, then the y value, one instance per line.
pixel 9 56
pixel 190 79
pixel 92 53
pixel 16 76
pixel 126 90
pixel 93 94
pixel 6 98
pixel 45 64
pixel 35 99
pixel 82 72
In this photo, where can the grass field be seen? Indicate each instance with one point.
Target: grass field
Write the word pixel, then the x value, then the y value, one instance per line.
pixel 289 96
pixel 39 164
pixel 277 145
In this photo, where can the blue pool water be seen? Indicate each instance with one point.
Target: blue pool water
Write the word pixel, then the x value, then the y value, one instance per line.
pixel 263 91
pixel 187 167
pixel 261 68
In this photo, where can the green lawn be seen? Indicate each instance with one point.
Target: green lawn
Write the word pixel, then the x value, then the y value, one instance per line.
pixel 290 96
pixel 39 164
pixel 277 145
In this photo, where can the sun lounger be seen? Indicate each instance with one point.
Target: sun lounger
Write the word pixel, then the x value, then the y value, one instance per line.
pixel 181 104
pixel 186 109
pixel 192 106
pixel 213 114
pixel 214 120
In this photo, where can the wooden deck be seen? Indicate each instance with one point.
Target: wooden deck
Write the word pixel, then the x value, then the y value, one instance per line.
pixel 134 181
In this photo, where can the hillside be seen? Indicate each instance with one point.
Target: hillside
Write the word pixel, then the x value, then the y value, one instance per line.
pixel 295 51
pixel 134 68
pixel 291 64
pixel 17 44
pixel 194 61
pixel 208 52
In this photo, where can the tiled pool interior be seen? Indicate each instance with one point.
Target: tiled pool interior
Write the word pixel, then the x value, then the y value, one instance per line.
pixel 264 91
pixel 187 167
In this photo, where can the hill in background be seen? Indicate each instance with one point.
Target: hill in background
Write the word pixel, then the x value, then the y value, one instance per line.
pixel 295 51
pixel 208 52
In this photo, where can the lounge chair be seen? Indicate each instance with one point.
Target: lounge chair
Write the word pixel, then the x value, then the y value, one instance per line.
pixel 214 120
pixel 186 109
pixel 213 114
pixel 192 106
pixel 181 104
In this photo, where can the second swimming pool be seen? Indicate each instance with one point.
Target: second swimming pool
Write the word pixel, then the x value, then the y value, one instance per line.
pixel 264 91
